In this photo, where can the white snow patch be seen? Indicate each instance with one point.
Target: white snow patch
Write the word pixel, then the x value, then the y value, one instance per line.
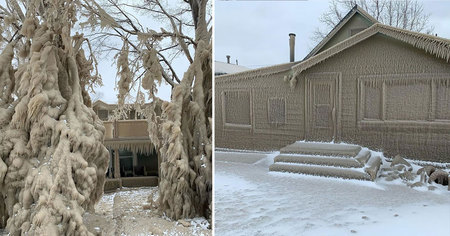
pixel 228 68
pixel 200 222
pixel 250 200
pixel 336 180
pixel 123 213
pixel 228 150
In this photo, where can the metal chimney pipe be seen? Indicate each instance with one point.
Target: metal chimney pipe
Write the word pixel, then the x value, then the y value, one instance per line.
pixel 292 46
pixel 228 59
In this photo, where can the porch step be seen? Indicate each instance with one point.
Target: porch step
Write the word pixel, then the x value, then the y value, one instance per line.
pixel 326 149
pixel 328 159
pixel 319 160
pixel 345 173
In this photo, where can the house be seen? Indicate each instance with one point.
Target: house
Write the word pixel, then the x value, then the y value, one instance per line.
pixel 222 68
pixel 133 158
pixel 366 83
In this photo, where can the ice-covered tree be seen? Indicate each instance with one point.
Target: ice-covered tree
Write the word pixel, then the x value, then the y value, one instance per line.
pixel 405 14
pixel 181 129
pixel 52 160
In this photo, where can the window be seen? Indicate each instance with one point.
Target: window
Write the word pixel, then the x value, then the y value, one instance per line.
pixel 402 99
pixel 236 108
pixel 103 114
pixel 277 111
pixel 408 101
pixel 442 101
pixel 132 114
pixel 372 105
pixel 126 163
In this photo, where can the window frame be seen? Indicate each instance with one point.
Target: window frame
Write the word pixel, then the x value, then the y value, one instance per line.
pixel 269 111
pixel 432 123
pixel 224 115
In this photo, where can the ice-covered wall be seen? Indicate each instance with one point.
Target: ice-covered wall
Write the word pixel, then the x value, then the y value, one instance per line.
pixel 259 133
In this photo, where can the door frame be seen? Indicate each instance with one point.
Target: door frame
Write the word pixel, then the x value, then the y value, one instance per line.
pixel 335 77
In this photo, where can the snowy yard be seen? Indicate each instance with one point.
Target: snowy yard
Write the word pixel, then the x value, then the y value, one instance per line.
pixel 123 213
pixel 250 200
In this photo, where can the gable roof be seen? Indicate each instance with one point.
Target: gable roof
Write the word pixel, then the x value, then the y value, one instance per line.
pixel 101 104
pixel 437 46
pixel 356 9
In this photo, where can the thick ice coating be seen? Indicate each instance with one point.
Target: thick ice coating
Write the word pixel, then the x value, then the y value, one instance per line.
pixel 53 162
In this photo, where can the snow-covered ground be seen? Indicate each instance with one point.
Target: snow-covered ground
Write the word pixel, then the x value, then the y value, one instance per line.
pixel 126 212
pixel 250 200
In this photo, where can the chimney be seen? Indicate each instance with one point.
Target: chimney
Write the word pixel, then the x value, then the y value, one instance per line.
pixel 228 59
pixel 292 46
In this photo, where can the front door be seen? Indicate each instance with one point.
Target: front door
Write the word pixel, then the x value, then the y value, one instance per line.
pixel 321 97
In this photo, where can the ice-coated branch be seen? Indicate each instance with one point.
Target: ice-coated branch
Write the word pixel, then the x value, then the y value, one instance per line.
pixel 182 135
pixel 53 162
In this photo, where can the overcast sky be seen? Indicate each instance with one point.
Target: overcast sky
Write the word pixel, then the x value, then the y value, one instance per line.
pixel 256 33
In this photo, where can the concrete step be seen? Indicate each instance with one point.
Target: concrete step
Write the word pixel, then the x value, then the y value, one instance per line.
pixel 325 149
pixel 319 160
pixel 345 173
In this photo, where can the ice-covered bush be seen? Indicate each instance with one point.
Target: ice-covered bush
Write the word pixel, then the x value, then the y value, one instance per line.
pixel 53 162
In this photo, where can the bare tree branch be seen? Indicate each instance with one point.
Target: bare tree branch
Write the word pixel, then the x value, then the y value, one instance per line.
pixel 405 14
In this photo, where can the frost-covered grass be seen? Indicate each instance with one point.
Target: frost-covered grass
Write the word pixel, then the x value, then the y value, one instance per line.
pixel 250 200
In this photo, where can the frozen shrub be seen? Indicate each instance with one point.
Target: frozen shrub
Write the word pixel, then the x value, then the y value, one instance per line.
pixel 398 160
pixel 53 162
pixel 407 175
pixel 439 176
pixel 427 169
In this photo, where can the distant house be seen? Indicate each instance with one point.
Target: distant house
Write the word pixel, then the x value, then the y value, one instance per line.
pixel 132 153
pixel 222 68
pixel 366 83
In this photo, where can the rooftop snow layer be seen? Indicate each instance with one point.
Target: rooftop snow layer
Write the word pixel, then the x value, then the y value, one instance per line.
pixel 226 68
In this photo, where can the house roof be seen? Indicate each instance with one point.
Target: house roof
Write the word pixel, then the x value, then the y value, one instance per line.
pixel 356 9
pixel 103 105
pixel 227 68
pixel 264 71
pixel 437 46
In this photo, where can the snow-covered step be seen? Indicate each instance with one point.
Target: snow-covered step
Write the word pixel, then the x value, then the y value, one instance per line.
pixel 318 160
pixel 345 173
pixel 325 149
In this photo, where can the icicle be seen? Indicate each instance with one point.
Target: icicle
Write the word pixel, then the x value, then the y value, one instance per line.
pixel 124 73
pixel 145 147
pixel 153 73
